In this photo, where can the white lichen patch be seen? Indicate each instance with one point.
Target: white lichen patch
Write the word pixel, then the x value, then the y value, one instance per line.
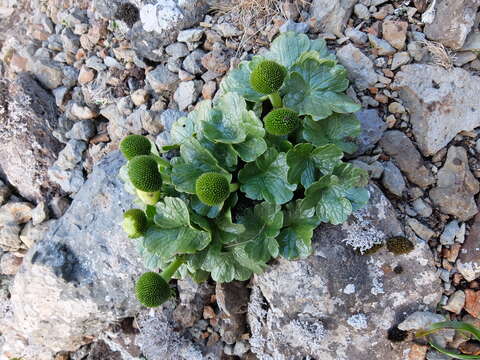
pixel 358 321
pixel 307 334
pixel 160 17
pixel 349 289
pixel 376 274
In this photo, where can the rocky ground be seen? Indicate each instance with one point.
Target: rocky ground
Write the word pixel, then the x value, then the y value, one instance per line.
pixel 78 75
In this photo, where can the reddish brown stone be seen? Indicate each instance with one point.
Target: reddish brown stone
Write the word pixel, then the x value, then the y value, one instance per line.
pixel 472 302
pixel 417 352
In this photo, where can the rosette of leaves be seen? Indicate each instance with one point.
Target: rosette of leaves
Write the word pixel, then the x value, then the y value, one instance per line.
pixel 271 191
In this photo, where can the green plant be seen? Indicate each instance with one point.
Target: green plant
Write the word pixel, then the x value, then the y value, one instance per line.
pixel 457 325
pixel 134 145
pixel 233 196
pixel 135 223
pixel 399 245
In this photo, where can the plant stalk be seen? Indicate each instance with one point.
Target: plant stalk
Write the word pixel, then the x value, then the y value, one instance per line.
pixel 276 100
pixel 172 268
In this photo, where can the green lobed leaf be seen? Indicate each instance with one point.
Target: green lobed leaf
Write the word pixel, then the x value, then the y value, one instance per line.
pixel 251 148
pixel 315 88
pixel 266 178
pixel 337 129
pixel 295 239
pixel 304 159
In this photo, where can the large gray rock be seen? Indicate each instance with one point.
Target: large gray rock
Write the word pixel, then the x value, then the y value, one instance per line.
pixel 453 21
pixel 336 304
pixel 332 15
pixel 456 186
pixel 373 128
pixel 436 99
pixel 80 278
pixel 359 66
pixel 27 145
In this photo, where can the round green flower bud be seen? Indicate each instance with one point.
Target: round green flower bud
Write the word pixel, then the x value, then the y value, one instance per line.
pixel 152 290
pixel 267 77
pixel 134 145
pixel 143 173
pixel 281 121
pixel 149 198
pixel 212 188
pixel 399 245
pixel 134 223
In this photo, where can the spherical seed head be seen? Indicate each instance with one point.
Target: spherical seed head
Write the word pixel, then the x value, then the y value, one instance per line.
pixel 212 188
pixel 399 245
pixel 143 173
pixel 134 223
pixel 134 145
pixel 281 121
pixel 267 77
pixel 152 290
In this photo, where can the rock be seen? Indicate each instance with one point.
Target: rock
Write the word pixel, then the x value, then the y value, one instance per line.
pixel 161 79
pixel 396 108
pixel 190 35
pixel 449 233
pixel 357 36
pixel 71 155
pixel 79 279
pixel 382 47
pixel 85 76
pixel 193 62
pixel 468 263
pixel 422 208
pixel 361 11
pixel 291 25
pixel 31 234
pixel 81 112
pixel 187 93
pixel 456 186
pixel 5 192
pixel 209 89
pixel 472 43
pixel 417 50
pixel 373 128
pixel 297 309
pixel 12 215
pixel 59 205
pixel 27 145
pixel 39 213
pixel 227 30
pixel 240 348
pixel 392 179
pixel 453 21
pixel 10 263
pixel 395 32
pixel 332 15
pixel 48 73
pixel 462 58
pixel 69 180
pixel 423 231
pixel 217 60
pixel 436 99
pixel 167 118
pixel 232 298
pixel 139 97
pixel 177 50
pixel 82 130
pixel 359 66
pixel 420 320
pixel 400 59
pixel 397 145
pixel 193 297
pixel 456 302
pixel 472 302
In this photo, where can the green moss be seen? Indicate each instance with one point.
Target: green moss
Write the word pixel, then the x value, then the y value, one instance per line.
pixel 399 245
pixel 374 249
pixel 267 77
pixel 143 173
pixel 281 121
pixel 152 290
pixel 134 145
pixel 212 188
pixel 134 223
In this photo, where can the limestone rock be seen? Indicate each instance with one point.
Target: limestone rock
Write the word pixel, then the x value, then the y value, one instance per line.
pixel 397 145
pixel 359 66
pixel 436 99
pixel 453 21
pixel 27 145
pixel 187 93
pixel 456 186
pixel 79 279
pixel 373 128
pixel 468 262
pixel 162 79
pixel 332 15
pixel 336 304
pixel 395 32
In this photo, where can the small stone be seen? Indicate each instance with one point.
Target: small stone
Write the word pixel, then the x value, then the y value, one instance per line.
pixel 472 302
pixel 82 112
pixel 357 36
pixel 139 97
pixel 383 47
pixel 59 205
pixel 423 231
pixel 464 57
pixel 208 313
pixel 82 130
pixel 291 25
pixel 177 50
pixel 5 192
pixel 227 30
pixel 359 66
pixel 209 89
pixel 417 352
pixel 216 60
pixel 39 213
pixel 190 35
pixel 421 320
pixel 187 93
pixel 395 32
pixel 86 75
pixel 396 108
pixel 185 75
pixel 373 128
pixel 416 50
pixel 422 208
pixel 400 59
pixel 361 11
pixel 167 118
pixel 193 62
pixel 10 263
pixel 392 179
pixel 449 233
pixel 161 79
pixel 240 348
pixel 456 302
pixel 70 180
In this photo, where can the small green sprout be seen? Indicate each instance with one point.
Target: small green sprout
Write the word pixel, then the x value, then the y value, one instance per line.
pixel 267 78
pixel 212 188
pixel 134 223
pixel 399 245
pixel 281 121
pixel 143 173
pixel 152 288
pixel 134 145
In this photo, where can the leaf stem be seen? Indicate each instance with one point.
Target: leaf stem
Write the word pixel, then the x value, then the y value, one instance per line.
pixel 234 187
pixel 276 100
pixel 172 268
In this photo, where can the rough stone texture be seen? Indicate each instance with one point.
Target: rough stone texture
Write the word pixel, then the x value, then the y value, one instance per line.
pixel 80 277
pixel 395 32
pixel 232 299
pixel 453 21
pixel 359 66
pixel 396 144
pixel 162 79
pixel 456 186
pixel 436 99
pixel 332 15
pixel 373 128
pixel 308 308
pixel 392 179
pixel 468 262
pixel 27 145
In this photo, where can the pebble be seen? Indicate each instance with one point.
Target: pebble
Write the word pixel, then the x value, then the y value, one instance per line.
pixel 187 93
pixel 449 233
pixel 456 302
pixel 423 231
pixel 190 35
pixel 291 25
pixel 361 11
pixel 177 50
pixel 382 46
pixel 193 62
pixel 82 130
pixel 422 207
pixel 396 108
pixel 395 32
pixel 209 89
pixel 392 179
pixel 139 97
pixel 10 263
pixel 400 59
pixel 39 213
pixel 357 36
pixel 227 30
pixel 82 112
